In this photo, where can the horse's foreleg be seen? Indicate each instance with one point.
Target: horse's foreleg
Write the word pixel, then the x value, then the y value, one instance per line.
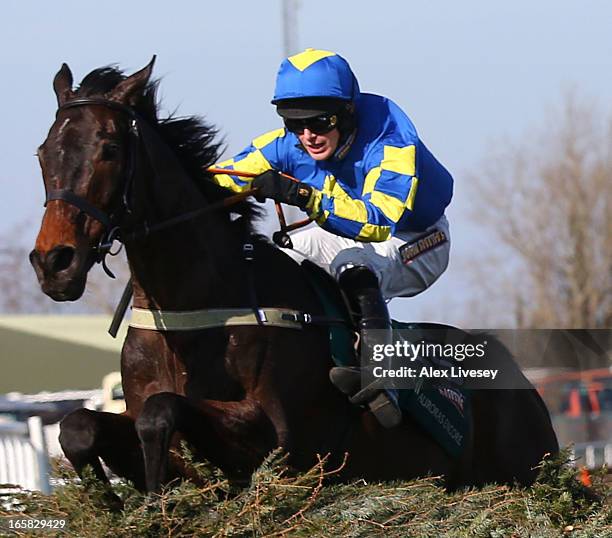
pixel 156 425
pixel 86 436
pixel 235 436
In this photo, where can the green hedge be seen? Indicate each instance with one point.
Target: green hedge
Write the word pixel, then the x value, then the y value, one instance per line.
pixel 281 503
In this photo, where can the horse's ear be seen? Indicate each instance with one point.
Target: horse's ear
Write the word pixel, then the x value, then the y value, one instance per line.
pixel 127 90
pixel 62 84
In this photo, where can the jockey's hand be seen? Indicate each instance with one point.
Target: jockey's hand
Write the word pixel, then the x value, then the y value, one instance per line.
pixel 272 184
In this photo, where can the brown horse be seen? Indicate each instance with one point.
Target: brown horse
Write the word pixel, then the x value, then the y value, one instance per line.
pixel 112 168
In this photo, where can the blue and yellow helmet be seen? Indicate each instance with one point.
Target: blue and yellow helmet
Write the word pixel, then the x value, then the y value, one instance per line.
pixel 314 73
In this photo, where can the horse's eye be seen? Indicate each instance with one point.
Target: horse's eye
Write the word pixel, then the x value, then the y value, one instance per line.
pixel 110 151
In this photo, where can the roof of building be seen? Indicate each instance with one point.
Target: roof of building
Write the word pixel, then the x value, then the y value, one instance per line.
pixel 52 353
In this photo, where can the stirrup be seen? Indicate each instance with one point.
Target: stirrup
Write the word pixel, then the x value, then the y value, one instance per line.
pixel 386 410
pixel 382 403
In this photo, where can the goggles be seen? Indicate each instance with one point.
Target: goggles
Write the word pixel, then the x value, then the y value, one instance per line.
pixel 318 125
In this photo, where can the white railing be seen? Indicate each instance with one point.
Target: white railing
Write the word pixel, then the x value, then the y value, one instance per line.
pixel 24 460
pixel 593 454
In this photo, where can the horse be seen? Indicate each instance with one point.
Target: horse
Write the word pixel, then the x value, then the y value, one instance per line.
pixel 112 169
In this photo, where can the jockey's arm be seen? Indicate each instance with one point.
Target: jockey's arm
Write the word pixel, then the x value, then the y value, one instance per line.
pixel 388 191
pixel 260 156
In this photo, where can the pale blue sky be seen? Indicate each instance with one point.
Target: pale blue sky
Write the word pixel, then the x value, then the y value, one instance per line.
pixel 464 71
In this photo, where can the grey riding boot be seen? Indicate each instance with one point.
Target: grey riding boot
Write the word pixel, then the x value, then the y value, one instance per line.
pixel 361 287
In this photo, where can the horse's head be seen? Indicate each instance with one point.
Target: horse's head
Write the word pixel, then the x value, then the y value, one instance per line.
pixel 86 162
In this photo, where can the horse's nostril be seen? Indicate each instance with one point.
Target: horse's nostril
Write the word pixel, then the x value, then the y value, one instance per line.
pixel 60 258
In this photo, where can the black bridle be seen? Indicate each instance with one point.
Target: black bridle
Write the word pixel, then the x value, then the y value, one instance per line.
pixel 112 222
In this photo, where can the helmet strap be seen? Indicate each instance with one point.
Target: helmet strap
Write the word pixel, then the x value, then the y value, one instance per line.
pixel 347 125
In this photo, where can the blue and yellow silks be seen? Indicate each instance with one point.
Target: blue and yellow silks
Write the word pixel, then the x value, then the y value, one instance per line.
pixel 386 182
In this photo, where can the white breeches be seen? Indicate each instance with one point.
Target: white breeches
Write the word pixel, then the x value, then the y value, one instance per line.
pixel 396 279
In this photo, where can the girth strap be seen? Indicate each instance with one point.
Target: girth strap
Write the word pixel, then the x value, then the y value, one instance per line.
pixel 191 320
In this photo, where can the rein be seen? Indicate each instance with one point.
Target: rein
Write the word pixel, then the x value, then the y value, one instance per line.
pixel 184 217
pixel 281 238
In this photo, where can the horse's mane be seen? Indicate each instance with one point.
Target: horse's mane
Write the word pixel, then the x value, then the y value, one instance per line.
pixel 194 141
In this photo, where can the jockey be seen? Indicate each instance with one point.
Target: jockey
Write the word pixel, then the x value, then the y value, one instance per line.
pixel 375 190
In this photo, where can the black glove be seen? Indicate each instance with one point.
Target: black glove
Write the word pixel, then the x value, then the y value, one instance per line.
pixel 272 184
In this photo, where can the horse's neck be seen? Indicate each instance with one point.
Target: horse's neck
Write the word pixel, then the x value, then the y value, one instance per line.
pixel 181 270
pixel 190 265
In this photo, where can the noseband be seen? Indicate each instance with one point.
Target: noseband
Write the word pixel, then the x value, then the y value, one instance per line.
pixel 110 222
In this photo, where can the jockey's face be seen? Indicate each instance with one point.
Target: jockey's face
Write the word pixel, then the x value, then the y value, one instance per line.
pixel 320 146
